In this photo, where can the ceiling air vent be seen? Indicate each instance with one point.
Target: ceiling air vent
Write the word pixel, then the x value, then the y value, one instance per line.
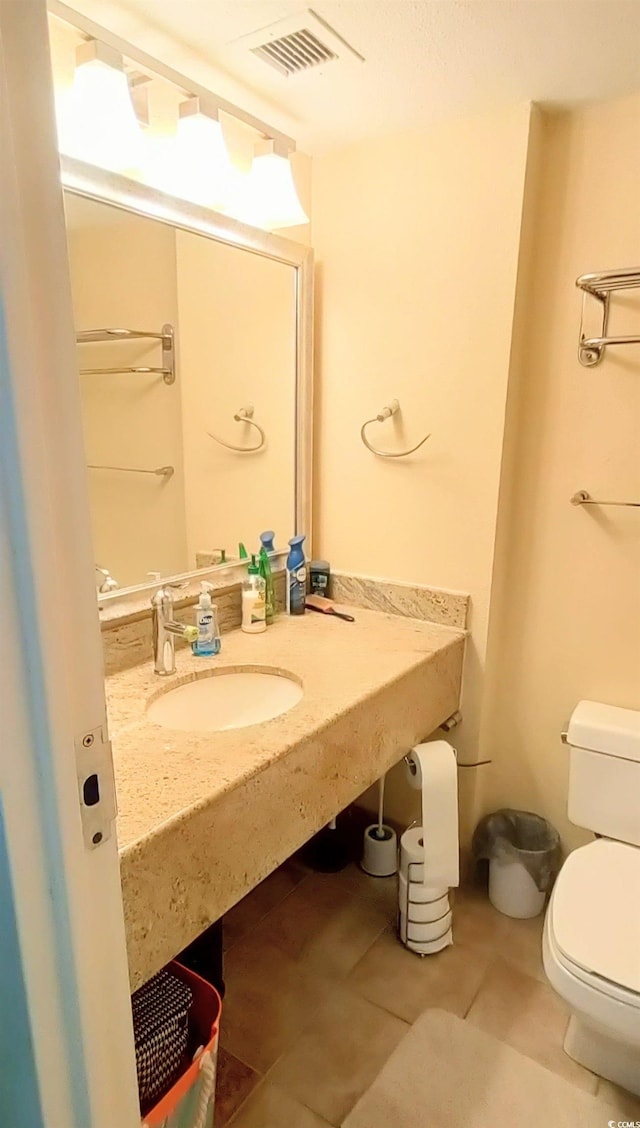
pixel 297 44
pixel 296 52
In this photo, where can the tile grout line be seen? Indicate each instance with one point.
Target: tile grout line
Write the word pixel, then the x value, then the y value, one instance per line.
pixel 264 1077
pixel 337 981
pixel 483 978
pixel 261 919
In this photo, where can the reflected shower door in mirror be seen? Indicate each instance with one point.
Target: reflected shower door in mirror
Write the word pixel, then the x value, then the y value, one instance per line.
pixel 190 412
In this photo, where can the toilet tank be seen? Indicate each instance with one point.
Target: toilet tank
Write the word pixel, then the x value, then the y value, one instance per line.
pixel 604 770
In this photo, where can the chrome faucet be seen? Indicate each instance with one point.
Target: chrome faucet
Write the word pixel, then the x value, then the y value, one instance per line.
pixel 166 630
pixel 107 582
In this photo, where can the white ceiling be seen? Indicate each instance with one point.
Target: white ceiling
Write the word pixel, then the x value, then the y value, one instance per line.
pixel 425 59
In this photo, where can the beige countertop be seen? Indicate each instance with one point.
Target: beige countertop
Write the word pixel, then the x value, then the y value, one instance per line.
pixel 202 817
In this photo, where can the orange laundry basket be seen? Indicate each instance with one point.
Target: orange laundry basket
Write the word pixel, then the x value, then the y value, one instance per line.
pixel 189 1102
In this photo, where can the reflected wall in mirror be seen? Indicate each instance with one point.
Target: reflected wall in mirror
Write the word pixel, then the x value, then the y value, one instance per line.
pixel 233 314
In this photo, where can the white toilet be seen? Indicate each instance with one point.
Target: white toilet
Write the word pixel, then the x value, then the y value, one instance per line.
pixel 591 944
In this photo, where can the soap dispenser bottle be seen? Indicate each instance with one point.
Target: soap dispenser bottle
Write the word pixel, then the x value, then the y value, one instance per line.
pixel 208 641
pixel 254 609
pixel 296 577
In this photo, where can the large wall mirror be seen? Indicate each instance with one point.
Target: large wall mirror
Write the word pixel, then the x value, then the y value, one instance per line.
pixel 194 361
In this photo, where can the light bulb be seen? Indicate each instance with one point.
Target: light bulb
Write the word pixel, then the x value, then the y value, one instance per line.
pixel 96 119
pixel 200 169
pixel 269 198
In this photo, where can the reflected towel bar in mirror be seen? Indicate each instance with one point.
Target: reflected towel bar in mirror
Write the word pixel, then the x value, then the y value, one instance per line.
pixel 583 498
pixel 244 415
pixel 166 336
pixel 160 472
pixel 391 409
pixel 600 286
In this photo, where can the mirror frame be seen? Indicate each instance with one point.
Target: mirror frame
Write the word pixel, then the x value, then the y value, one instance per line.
pixel 118 191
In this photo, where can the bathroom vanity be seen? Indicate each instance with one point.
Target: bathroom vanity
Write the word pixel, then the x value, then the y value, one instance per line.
pixel 204 816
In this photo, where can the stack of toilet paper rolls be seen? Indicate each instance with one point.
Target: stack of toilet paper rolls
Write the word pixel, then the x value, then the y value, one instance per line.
pixel 429 863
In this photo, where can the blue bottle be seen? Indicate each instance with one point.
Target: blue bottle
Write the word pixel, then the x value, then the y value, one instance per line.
pixel 296 577
pixel 266 540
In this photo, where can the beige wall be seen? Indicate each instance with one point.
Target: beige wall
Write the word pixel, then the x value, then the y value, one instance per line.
pixel 417 239
pixel 237 347
pixel 565 620
pixel 123 273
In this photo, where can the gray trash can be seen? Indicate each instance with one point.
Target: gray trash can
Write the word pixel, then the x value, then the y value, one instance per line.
pixel 523 851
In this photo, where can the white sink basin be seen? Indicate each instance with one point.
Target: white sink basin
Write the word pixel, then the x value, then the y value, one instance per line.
pixel 224 700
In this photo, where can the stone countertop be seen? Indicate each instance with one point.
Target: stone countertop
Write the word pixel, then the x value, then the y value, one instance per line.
pixel 201 820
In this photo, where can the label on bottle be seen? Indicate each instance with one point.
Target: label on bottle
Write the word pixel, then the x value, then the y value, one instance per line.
pixel 296 589
pixel 205 625
pixel 319 583
pixel 259 609
pixel 206 643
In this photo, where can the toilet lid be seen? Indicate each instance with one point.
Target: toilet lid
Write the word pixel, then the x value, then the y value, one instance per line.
pixel 595 911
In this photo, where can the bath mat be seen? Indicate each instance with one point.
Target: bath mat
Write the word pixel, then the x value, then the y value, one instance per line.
pixel 446 1073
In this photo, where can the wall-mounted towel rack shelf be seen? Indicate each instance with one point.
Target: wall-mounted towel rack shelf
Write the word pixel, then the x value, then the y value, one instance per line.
pixel 160 472
pixel 583 498
pixel 599 287
pixel 166 337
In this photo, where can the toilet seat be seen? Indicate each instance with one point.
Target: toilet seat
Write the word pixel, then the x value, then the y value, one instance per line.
pixel 594 919
pixel 596 983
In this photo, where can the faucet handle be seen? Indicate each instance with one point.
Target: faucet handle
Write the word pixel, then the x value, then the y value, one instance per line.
pixel 108 583
pixel 166 589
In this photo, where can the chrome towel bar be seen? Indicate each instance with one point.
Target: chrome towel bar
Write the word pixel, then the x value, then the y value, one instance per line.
pixel 165 372
pixel 160 472
pixel 583 498
pixel 166 337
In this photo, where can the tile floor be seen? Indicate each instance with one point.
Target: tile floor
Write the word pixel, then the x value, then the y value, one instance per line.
pixel 319 993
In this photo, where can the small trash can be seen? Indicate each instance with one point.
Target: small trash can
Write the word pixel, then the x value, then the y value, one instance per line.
pixel 523 851
pixel 189 1102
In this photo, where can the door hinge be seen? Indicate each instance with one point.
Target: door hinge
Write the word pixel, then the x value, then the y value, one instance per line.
pixel 96 786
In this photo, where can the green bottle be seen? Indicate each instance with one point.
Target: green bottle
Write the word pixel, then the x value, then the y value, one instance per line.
pixel 264 566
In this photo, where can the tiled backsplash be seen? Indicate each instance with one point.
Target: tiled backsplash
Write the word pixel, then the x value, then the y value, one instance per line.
pixel 416 601
pixel 128 644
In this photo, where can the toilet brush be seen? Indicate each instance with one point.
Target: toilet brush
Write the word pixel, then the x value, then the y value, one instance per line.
pixel 380 847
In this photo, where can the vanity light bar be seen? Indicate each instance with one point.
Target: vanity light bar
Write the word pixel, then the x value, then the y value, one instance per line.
pixel 196 105
pixel 96 51
pixel 210 104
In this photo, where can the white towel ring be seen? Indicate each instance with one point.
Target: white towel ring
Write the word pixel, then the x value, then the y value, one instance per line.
pixel 386 413
pixel 244 415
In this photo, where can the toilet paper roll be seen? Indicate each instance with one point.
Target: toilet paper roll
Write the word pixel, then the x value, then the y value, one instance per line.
pixel 423 947
pixel 414 894
pixel 432 769
pixel 430 947
pixel 412 866
pixel 428 932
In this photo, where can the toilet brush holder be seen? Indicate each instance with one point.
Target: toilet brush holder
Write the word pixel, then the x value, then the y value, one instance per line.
pixel 380 851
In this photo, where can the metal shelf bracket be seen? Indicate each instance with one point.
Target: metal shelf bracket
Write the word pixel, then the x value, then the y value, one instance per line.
pixel 599 287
